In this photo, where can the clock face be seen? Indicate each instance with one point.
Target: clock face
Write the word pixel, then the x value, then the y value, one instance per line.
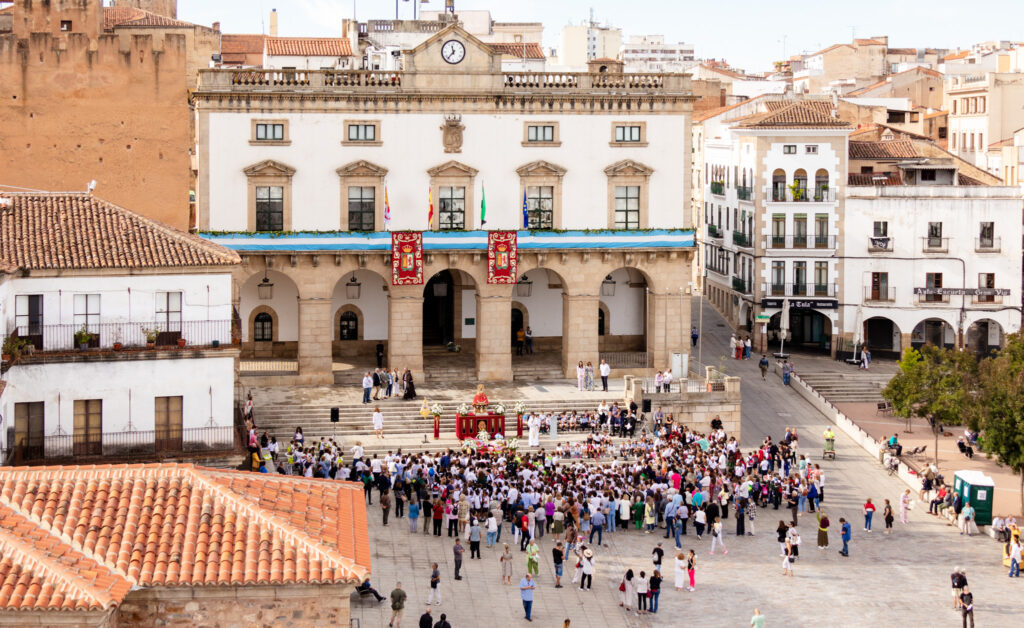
pixel 453 51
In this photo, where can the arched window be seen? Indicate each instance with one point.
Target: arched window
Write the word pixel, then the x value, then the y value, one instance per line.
pixel 349 326
pixel 600 322
pixel 263 328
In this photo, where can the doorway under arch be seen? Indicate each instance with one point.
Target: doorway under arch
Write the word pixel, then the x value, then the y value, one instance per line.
pixel 882 337
pixel 985 337
pixel 935 332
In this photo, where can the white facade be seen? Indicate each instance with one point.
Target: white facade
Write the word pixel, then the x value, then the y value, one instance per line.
pixel 650 53
pixel 906 257
pixel 493 145
pixel 295 62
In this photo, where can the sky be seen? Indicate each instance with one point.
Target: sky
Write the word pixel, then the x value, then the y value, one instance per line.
pixel 749 34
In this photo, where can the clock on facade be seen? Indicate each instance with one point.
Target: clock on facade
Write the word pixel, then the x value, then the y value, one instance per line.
pixel 453 51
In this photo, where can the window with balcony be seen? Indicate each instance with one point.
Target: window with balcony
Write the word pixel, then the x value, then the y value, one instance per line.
pixel 28 318
pixel 168 314
pixel 986 236
pixel 933 281
pixel 451 208
pixel 778 278
pixel 87 315
pixel 167 415
pixel 821 278
pixel 778 231
pixel 799 278
pixel 879 287
pixel 269 208
pixel 800 231
pixel 986 281
pixel 798 189
pixel 29 422
pixel 87 433
pixel 362 208
pixel 779 186
pixel 821 185
pixel 821 231
pixel 934 240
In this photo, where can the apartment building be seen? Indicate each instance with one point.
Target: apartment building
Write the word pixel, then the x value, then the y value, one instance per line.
pixel 650 53
pixel 931 252
pixel 583 175
pixel 841 68
pixel 984 109
pixel 772 217
pixel 586 41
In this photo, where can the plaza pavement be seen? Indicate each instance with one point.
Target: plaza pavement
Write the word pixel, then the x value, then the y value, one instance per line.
pixel 900 580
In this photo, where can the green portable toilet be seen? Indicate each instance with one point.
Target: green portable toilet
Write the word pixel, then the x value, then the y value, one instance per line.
pixel 978 490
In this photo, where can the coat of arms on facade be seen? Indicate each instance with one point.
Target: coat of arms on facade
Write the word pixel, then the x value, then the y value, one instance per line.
pixel 452 133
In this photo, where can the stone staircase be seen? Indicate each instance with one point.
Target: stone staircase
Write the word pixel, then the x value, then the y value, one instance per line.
pixel 849 387
pixel 403 425
pixel 443 367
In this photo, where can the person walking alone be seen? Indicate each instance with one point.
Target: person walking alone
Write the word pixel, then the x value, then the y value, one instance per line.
pixel 606 370
pixel 397 605
pixel 458 551
pixel 435 585
pixel 888 516
pixel 904 505
pixel 378 422
pixel 845 534
pixel 869 512
pixel 717 537
pixel 967 606
pixel 694 336
pixel 526 588
pixel 763 365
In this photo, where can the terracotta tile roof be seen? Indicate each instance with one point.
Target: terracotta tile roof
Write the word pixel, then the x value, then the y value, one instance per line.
pixel 800 114
pixel 82 537
pixel 868 42
pixel 519 51
pixel 901 51
pixel 956 55
pixel 936 114
pixel 729 73
pixel 132 17
pixel 963 179
pixel 242 44
pixel 711 113
pixel 877 178
pixel 309 46
pixel 917 70
pixel 895 149
pixel 76 230
pixel 1007 142
pixel 829 49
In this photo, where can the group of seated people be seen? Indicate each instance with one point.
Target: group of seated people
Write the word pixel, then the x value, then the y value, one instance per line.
pixel 1005 528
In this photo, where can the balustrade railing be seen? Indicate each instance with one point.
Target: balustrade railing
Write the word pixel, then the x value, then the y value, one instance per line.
pixel 66 337
pixel 127 444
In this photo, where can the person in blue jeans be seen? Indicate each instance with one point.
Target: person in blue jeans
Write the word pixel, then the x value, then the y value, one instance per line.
pixel 526 587
pixel 596 525
pixel 654 586
pixel 670 515
pixel 869 512
pixel 846 531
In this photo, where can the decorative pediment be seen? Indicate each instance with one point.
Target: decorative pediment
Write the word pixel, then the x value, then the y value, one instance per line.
pixel 540 168
pixel 362 168
pixel 427 57
pixel 269 167
pixel 628 167
pixel 452 169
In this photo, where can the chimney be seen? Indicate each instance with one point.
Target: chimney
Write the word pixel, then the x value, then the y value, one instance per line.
pixel 273 22
pixel 216 26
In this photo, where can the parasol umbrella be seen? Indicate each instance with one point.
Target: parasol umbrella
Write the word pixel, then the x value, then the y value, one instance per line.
pixel 784 324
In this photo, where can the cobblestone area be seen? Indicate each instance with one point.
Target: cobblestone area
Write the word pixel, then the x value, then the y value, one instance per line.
pixel 900 580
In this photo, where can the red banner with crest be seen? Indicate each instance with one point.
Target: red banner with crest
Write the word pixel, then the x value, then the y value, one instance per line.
pixel 406 258
pixel 502 259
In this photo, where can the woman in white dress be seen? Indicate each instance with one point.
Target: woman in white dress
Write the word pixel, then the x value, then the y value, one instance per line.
pixel 680 571
pixel 378 422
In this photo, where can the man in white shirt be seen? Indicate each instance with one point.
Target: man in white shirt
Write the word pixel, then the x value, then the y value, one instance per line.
pixel 667 380
pixel 367 385
pixel 534 424
pixel 606 370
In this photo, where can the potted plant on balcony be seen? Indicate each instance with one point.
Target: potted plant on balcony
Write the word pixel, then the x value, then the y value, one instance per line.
pixel 83 338
pixel 797 191
pixel 181 343
pixel 13 348
pixel 117 340
pixel 150 333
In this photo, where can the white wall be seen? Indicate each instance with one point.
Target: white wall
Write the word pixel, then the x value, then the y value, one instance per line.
pixel 285 304
pixel 544 304
pixel 276 62
pixel 197 380
pixel 908 210
pixel 469 311
pixel 412 144
pixel 626 306
pixel 372 302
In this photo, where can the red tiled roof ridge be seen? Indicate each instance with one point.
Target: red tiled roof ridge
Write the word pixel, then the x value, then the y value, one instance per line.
pixel 55 567
pixel 254 511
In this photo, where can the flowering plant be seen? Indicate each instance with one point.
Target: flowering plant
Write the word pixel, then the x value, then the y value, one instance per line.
pixel 499 408
pixel 519 407
pixel 471 444
pixel 435 409
pixel 483 435
pixel 462 409
pixel 512 444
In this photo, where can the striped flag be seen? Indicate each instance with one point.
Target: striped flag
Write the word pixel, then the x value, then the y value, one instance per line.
pixel 483 205
pixel 387 210
pixel 526 217
pixel 430 201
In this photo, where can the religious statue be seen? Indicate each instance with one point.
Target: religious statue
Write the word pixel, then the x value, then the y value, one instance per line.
pixel 480 400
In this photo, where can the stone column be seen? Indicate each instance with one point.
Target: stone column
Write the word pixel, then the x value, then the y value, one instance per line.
pixel 579 331
pixel 668 328
pixel 494 320
pixel 315 340
pixel 405 329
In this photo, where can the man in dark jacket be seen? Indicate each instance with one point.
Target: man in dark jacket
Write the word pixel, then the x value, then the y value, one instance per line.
pixel 426 621
pixel 443 622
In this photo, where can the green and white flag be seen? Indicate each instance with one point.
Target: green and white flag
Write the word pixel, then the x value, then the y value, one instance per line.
pixel 483 206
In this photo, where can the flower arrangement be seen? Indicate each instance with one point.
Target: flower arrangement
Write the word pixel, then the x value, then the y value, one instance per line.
pixel 483 435
pixel 462 409
pixel 512 444
pixel 436 409
pixel 499 408
pixel 471 444
pixel 519 407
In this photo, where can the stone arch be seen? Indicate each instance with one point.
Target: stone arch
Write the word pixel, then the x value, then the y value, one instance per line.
pixel 603 313
pixel 882 336
pixel 345 309
pixel 984 336
pixel 545 299
pixel 624 293
pixel 283 305
pixel 937 330
pixel 517 305
pixel 779 185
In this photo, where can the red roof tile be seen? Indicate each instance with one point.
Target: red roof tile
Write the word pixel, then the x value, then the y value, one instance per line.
pixel 132 17
pixel 520 51
pixel 876 178
pixel 309 46
pixel 800 114
pixel 243 44
pixel 78 231
pixel 895 149
pixel 82 537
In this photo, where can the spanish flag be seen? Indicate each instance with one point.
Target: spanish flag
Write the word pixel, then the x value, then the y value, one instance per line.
pixel 387 210
pixel 430 202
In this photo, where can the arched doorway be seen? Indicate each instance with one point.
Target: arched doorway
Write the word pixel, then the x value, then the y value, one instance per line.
pixel 985 337
pixel 518 322
pixel 935 332
pixel 623 306
pixel 359 305
pixel 268 310
pixel 439 309
pixel 882 337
